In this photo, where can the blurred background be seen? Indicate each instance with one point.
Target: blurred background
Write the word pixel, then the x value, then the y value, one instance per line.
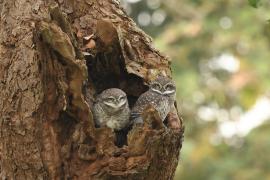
pixel 221 64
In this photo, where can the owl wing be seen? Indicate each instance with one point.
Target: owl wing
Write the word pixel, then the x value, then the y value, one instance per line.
pixel 143 101
pixel 98 114
pixel 136 118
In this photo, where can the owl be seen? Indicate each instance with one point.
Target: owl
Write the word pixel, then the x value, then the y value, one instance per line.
pixel 161 95
pixel 111 109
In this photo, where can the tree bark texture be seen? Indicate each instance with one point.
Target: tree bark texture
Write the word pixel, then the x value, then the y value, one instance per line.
pixel 55 56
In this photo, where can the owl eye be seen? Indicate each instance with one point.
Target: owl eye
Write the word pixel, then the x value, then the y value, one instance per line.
pixel 122 98
pixel 109 99
pixel 156 86
pixel 170 87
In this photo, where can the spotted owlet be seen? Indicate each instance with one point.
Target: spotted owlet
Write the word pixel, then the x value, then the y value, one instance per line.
pixel 111 109
pixel 161 95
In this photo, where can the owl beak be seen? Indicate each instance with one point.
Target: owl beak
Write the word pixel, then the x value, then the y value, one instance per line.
pixel 117 102
pixel 163 91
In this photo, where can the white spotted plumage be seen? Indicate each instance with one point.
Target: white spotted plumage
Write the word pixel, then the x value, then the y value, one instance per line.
pixel 111 109
pixel 161 95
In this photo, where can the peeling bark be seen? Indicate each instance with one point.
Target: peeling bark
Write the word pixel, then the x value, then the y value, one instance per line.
pixel 47 87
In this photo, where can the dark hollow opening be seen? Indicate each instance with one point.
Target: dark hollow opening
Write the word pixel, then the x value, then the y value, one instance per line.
pixel 107 70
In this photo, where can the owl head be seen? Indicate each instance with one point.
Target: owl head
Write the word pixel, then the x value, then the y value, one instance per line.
pixel 163 86
pixel 113 100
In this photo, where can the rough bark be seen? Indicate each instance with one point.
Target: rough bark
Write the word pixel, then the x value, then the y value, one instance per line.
pixel 54 57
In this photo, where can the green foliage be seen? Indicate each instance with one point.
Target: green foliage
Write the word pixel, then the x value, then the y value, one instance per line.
pixel 220 56
pixel 254 3
pixel 250 161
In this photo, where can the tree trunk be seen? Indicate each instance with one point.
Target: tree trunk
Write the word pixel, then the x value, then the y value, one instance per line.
pixel 54 57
